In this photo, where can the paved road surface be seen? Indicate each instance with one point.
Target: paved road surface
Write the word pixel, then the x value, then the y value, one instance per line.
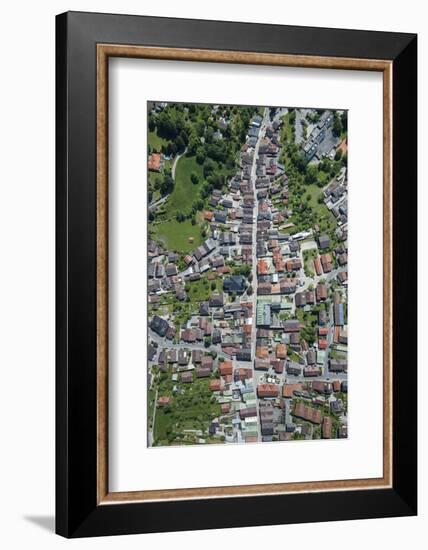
pixel 160 201
pixel 254 266
pixel 174 164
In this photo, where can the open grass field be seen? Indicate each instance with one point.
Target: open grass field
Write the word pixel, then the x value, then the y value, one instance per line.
pixel 185 192
pixel 175 235
pixel 153 178
pixel 155 141
pixel 199 291
pixel 287 129
pixel 309 256
pixel 325 218
pixel 190 410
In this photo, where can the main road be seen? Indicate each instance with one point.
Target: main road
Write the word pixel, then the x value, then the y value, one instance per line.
pixel 253 178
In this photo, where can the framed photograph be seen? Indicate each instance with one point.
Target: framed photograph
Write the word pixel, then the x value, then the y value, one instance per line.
pixel 236 264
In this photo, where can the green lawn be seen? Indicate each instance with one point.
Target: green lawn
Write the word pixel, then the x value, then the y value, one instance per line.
pixel 153 177
pixel 151 404
pixel 199 291
pixel 293 355
pixel 157 177
pixel 161 424
pixel 287 129
pixel 175 235
pixel 156 142
pixel 190 410
pixel 185 192
pixel 324 218
pixel 308 257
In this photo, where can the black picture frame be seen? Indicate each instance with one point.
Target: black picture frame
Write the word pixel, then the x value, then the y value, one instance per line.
pixel 77 511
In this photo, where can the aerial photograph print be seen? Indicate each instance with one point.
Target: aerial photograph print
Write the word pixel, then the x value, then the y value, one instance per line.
pixel 247 274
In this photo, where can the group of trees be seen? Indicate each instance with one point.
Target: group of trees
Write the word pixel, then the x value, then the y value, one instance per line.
pixel 194 126
pixel 315 115
pixel 301 174
pixel 309 334
pixel 340 123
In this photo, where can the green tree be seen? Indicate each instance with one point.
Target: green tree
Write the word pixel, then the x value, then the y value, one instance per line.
pixel 209 167
pixel 311 174
pixel 167 185
pixel 200 155
pixel 152 122
pixel 192 146
pixel 180 144
pixel 337 125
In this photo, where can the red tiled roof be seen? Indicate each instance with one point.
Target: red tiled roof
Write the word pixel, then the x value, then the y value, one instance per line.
pixel 281 351
pixel 317 265
pixel 307 413
pixel 262 352
pixel 154 162
pixel 336 385
pixel 327 427
pixel 164 400
pixel 226 368
pixel 262 267
pixel 289 389
pixel 215 385
pixel 267 390
pixel 322 344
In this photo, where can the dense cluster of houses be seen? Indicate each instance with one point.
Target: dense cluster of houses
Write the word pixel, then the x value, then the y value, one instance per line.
pixel 321 140
pixel 271 340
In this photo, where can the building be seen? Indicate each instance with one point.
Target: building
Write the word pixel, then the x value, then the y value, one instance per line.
pixel 281 351
pixel 338 314
pixel 242 374
pixel 289 389
pixel 164 400
pixel 203 372
pixel 154 162
pixel 234 284
pixel 293 368
pixel 248 412
pixel 216 300
pixel 326 262
pixel 207 362
pixel 291 325
pixel 196 355
pixel 323 241
pixel 338 365
pixel 327 427
pixel 321 292
pixel 307 413
pixel 215 385
pixel 243 355
pixel 159 325
pixel 225 368
pixel 186 377
pixel 267 390
pixel 322 386
pixel 260 364
pixel 317 266
pixel 293 265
